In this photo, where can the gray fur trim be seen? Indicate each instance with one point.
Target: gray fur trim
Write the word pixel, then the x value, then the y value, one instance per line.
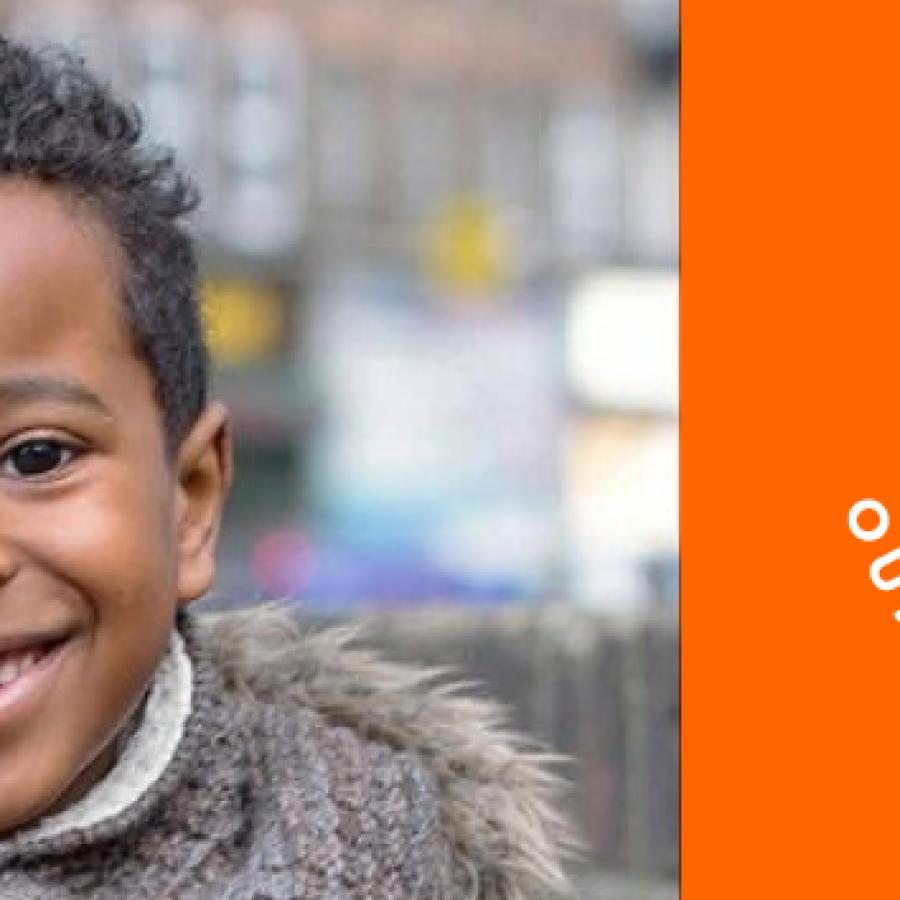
pixel 499 798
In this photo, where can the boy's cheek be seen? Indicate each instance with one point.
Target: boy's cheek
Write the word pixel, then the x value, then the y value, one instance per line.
pixel 108 664
pixel 115 546
pixel 41 760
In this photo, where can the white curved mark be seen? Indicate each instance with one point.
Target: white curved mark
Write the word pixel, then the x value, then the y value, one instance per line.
pixel 878 565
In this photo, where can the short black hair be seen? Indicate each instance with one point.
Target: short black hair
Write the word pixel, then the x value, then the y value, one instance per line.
pixel 63 126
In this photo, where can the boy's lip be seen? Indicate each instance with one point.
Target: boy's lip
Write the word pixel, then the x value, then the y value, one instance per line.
pixel 12 641
pixel 20 697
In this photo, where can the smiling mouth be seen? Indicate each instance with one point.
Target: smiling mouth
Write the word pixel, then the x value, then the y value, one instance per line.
pixel 26 674
pixel 15 664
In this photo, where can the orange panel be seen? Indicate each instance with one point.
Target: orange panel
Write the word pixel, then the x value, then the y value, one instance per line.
pixel 791 385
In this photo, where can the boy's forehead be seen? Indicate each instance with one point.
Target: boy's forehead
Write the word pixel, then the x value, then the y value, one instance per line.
pixel 57 272
pixel 42 219
pixel 60 303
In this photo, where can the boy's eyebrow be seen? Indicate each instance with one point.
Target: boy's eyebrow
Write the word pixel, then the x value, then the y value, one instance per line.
pixel 17 390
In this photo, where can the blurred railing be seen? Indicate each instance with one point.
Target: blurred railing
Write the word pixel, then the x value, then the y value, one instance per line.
pixel 602 691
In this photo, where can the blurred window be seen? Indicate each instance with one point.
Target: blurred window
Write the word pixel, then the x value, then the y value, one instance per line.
pixel 511 151
pixel 584 154
pixel 651 24
pixel 345 151
pixel 622 342
pixel 427 157
pixel 651 181
pixel 621 508
pixel 80 25
pixel 266 483
pixel 168 61
pixel 262 135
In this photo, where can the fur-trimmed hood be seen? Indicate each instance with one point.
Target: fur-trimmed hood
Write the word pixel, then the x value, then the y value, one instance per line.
pixel 498 796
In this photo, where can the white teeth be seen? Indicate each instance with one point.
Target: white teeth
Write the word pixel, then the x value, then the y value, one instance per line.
pixel 13 665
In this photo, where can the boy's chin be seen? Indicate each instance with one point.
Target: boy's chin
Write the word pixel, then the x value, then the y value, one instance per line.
pixel 44 790
pixel 21 807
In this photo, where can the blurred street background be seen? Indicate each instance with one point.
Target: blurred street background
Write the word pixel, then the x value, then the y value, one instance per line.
pixel 440 244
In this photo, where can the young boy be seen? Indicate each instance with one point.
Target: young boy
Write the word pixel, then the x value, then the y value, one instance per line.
pixel 144 751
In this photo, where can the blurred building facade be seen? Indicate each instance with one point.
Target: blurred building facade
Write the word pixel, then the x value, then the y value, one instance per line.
pixel 411 212
pixel 440 245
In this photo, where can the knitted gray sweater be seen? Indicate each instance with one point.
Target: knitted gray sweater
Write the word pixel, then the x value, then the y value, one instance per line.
pixel 308 769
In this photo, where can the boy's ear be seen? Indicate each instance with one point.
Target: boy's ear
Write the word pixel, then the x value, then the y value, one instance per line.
pixel 203 470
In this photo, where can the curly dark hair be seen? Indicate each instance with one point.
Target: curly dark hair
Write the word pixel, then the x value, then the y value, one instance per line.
pixel 61 125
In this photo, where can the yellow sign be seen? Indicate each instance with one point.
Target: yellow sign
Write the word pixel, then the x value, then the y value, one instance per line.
pixel 468 249
pixel 245 321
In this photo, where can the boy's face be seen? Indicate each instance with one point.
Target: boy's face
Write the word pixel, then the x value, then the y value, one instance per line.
pixel 101 537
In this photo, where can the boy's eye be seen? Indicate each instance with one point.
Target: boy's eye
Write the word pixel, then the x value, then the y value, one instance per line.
pixel 34 458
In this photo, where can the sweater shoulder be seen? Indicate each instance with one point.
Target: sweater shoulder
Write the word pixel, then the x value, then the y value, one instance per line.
pixel 400 741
